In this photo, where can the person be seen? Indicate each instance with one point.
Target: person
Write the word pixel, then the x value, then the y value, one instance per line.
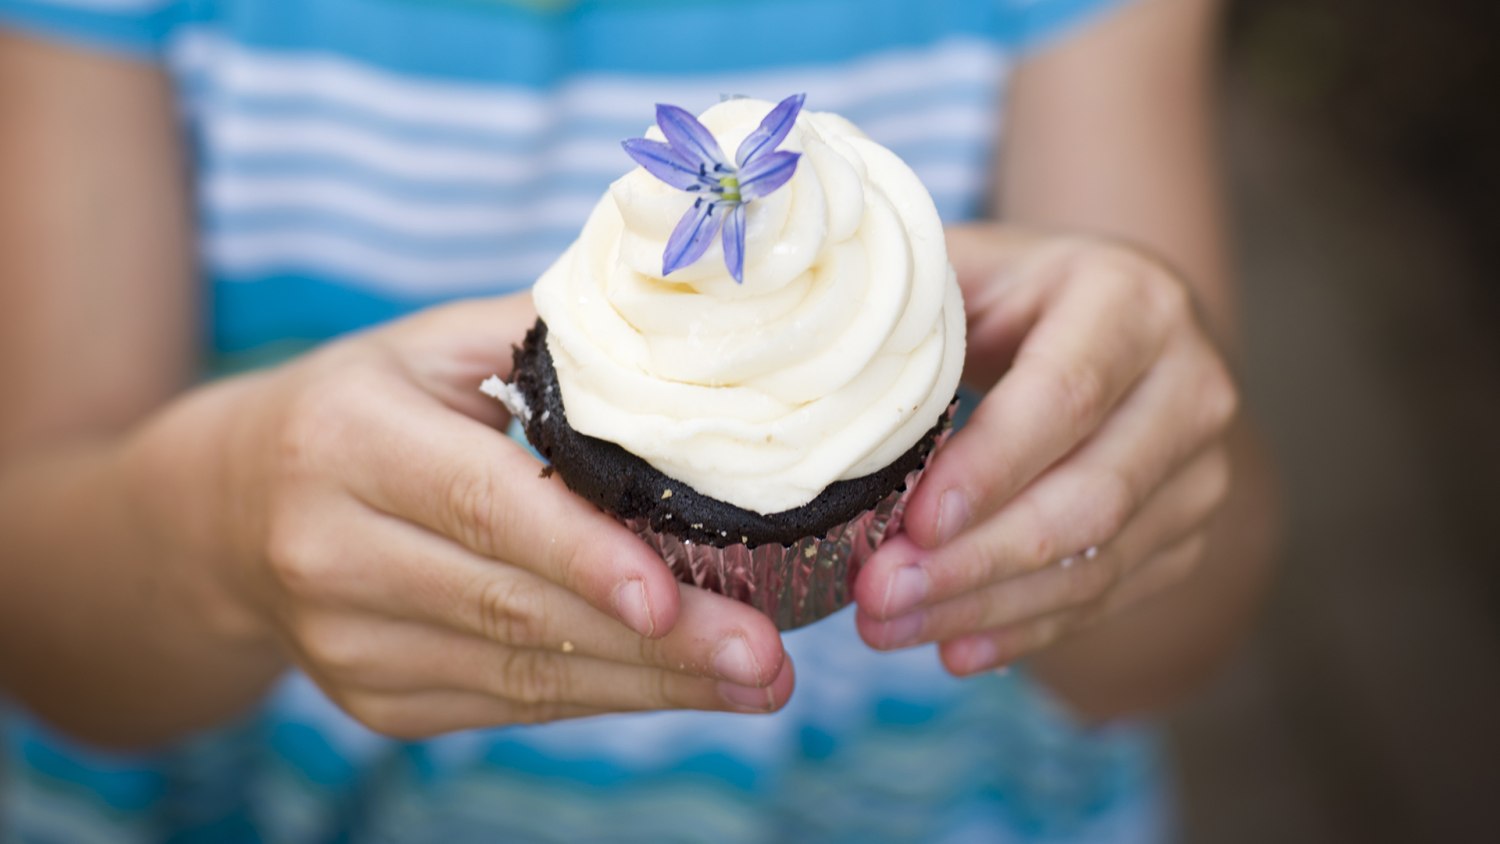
pixel 270 572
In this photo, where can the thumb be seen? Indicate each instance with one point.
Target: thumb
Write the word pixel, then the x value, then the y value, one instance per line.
pixel 982 252
pixel 992 261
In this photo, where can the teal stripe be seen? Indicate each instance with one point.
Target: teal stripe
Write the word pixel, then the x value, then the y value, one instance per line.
pixel 294 307
pixel 123 784
pixel 1039 22
pixel 500 42
pixel 516 757
pixel 135 35
pixel 247 314
pixel 308 752
pixel 669 38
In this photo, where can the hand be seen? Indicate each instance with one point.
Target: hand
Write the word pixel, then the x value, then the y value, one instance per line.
pixel 1086 477
pixel 410 558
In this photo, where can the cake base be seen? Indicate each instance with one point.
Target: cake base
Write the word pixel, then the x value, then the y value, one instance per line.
pixel 628 487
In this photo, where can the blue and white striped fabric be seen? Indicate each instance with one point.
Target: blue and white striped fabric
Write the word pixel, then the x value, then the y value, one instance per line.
pixel 358 159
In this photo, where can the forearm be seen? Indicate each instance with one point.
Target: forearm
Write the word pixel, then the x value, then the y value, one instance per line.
pixel 110 627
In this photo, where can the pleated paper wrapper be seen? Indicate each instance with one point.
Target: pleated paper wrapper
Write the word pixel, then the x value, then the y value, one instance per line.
pixel 794 584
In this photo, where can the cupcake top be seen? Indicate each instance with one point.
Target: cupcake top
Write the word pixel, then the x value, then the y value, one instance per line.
pixel 823 345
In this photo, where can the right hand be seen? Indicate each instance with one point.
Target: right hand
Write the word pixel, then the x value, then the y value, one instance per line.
pixel 367 517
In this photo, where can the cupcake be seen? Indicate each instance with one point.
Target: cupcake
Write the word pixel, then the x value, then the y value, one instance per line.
pixel 749 360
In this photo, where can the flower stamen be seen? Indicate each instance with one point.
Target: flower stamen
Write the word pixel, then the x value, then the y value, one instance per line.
pixel 690 146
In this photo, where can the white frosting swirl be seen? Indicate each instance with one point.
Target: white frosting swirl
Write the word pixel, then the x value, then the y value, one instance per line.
pixel 841 349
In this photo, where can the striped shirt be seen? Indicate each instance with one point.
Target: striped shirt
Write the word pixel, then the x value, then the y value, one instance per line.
pixel 359 159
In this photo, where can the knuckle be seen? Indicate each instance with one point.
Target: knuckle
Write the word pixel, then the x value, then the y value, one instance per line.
pixel 1167 297
pixel 337 648
pixel 297 558
pixel 1088 583
pixel 1219 475
pixel 1042 547
pixel 965 616
pixel 476 518
pixel 509 611
pixel 566 563
pixel 1220 398
pixel 1047 632
pixel 1114 501
pixel 1191 557
pixel 665 694
pixel 1079 393
pixel 651 652
pixel 1180 566
pixel 537 713
pixel 531 677
pixel 1014 643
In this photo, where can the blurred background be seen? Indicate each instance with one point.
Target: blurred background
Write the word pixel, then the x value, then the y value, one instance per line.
pixel 1364 153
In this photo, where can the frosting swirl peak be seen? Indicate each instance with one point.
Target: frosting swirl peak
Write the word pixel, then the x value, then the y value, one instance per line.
pixel 842 347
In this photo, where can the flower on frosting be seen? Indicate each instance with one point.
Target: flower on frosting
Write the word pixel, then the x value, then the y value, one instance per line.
pixel 691 160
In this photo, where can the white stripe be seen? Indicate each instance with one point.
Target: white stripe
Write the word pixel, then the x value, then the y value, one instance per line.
pixel 509 109
pixel 432 161
pixel 938 122
pixel 949 179
pixel 443 163
pixel 414 217
pixel 326 80
pixel 385 270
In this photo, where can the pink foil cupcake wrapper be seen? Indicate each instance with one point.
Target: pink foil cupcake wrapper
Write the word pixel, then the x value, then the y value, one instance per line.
pixel 796 584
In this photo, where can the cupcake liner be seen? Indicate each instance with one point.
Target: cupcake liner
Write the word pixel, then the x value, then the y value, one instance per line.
pixel 793 584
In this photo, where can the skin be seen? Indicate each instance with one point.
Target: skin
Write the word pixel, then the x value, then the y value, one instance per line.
pixel 354 513
pixel 1110 417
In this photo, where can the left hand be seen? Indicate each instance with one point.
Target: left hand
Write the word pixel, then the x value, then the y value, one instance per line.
pixel 1086 478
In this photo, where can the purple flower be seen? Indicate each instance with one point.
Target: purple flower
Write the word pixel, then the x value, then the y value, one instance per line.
pixel 691 160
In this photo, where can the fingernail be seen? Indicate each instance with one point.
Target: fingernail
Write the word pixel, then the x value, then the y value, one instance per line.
pixel 630 604
pixel 903 631
pixel 735 661
pixel 953 515
pixel 745 697
pixel 908 586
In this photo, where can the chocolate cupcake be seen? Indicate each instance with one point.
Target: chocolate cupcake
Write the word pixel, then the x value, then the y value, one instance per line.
pixel 749 361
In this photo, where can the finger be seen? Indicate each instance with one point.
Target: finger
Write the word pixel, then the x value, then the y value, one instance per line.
pixel 376 655
pixel 1095 333
pixel 465 481
pixel 1084 501
pixel 1159 573
pixel 421 715
pixel 401 570
pixel 1002 646
pixel 1177 510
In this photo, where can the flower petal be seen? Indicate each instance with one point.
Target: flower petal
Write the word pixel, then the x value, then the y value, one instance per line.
pixel 666 163
pixel 767 173
pixel 772 130
pixel 734 242
pixel 694 232
pixel 691 139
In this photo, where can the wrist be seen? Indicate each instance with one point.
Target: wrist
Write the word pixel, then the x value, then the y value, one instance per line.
pixel 181 474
